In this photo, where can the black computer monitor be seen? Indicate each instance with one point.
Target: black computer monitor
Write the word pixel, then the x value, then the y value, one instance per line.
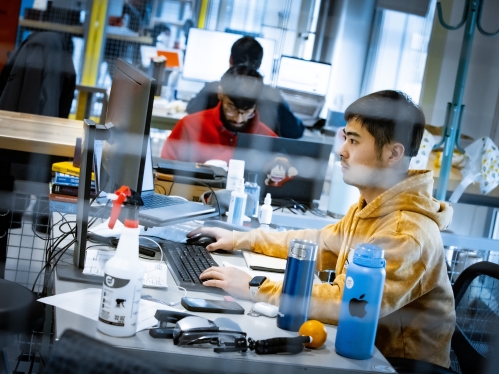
pixel 124 152
pixel 129 110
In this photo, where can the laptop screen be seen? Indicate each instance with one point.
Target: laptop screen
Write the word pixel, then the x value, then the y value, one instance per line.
pixel 147 177
pixel 288 169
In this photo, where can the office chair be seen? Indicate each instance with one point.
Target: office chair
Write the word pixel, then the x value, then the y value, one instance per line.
pixel 77 353
pixel 39 77
pixel 19 313
pixel 476 295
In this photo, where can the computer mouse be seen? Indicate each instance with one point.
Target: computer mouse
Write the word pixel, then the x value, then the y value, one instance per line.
pixel 202 240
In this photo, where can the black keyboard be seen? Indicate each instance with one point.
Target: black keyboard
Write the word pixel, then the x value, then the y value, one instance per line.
pixel 157 201
pixel 186 263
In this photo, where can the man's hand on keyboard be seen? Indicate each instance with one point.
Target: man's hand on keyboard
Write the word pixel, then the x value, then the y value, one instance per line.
pixel 223 237
pixel 233 281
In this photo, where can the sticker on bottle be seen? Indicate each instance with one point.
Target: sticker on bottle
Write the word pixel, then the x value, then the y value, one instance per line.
pixel 349 282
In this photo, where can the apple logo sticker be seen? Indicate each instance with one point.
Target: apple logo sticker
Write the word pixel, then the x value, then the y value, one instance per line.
pixel 357 307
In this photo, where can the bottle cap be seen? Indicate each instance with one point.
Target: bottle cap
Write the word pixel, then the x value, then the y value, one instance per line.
pixel 268 199
pixel 236 167
pixel 252 178
pixel 240 185
pixel 369 255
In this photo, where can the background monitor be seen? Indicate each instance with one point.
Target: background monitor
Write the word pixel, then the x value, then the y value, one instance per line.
pixel 288 169
pixel 129 110
pixel 208 52
pixel 303 75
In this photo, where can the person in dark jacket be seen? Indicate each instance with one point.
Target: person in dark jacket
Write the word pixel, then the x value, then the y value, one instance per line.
pixel 39 77
pixel 272 108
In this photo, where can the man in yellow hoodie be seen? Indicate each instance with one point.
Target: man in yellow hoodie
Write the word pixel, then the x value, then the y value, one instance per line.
pixel 396 211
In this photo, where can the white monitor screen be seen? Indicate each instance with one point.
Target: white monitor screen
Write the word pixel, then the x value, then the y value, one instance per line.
pixel 208 52
pixel 302 75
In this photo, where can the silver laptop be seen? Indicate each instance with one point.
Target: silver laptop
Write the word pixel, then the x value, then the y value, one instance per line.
pixel 161 209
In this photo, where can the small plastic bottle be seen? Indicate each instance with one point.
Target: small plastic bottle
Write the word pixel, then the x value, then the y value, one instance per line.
pixel 265 215
pixel 123 273
pixel 236 171
pixel 360 306
pixel 237 204
pixel 252 188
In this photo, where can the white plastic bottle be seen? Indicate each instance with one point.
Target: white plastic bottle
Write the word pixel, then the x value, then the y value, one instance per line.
pixel 123 275
pixel 236 171
pixel 265 216
pixel 237 204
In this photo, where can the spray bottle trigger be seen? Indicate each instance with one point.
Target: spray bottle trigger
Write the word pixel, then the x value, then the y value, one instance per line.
pixel 118 198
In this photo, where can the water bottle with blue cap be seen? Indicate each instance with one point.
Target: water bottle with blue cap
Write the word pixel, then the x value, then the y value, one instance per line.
pixel 360 306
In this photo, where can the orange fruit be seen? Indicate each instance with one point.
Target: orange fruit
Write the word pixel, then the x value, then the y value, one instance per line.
pixel 316 330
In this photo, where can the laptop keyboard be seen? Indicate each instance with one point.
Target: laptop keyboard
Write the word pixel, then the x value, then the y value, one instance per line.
pixel 186 263
pixel 157 201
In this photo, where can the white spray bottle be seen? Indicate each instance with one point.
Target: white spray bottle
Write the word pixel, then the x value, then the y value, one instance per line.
pixel 123 273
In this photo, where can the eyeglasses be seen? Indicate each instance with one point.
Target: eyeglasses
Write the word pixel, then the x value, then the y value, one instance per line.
pixel 231 111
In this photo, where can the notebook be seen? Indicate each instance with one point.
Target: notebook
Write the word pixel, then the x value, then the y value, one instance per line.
pixel 164 209
pixel 290 170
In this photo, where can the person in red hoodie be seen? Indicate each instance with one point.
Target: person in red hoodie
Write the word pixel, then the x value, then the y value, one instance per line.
pixel 212 134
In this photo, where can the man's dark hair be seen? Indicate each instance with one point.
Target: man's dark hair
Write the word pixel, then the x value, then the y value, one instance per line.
pixel 247 51
pixel 390 116
pixel 242 85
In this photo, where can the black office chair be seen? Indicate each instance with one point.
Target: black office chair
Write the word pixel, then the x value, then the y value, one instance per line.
pixel 19 313
pixel 77 353
pixel 476 294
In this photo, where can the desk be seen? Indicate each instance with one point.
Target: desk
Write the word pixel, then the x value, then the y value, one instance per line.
pixel 163 120
pixel 39 134
pixel 163 353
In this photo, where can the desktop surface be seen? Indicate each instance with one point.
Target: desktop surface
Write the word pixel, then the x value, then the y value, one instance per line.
pixel 202 358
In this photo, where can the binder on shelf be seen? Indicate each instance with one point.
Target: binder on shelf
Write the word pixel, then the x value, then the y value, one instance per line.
pixel 69 190
pixel 67 167
pixel 68 180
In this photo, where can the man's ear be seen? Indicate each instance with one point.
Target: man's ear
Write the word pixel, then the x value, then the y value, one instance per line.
pixel 396 153
pixel 220 93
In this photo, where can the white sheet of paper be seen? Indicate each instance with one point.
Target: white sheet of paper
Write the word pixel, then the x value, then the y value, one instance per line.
pixel 155 275
pixel 86 303
pixel 254 273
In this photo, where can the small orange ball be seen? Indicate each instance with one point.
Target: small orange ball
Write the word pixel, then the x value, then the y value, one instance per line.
pixel 316 330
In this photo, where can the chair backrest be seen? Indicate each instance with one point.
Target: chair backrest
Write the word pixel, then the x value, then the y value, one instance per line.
pixel 476 294
pixel 77 353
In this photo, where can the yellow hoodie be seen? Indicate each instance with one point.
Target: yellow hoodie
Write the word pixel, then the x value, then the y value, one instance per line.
pixel 417 312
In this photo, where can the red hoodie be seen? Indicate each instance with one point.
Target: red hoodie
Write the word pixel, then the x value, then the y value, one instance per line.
pixel 201 136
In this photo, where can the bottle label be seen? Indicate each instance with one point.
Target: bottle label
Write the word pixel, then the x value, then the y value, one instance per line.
pixel 120 301
pixel 349 282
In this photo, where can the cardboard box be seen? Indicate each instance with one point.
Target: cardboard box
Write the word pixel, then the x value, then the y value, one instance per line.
pixel 189 191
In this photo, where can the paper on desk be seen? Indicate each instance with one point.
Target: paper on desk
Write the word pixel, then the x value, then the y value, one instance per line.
pixel 86 303
pixel 155 275
pixel 254 273
pixel 257 261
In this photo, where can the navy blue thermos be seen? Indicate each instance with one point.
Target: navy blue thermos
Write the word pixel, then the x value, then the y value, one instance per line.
pixel 361 302
pixel 297 285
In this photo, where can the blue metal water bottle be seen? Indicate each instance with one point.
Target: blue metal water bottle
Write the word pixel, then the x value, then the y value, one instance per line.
pixel 360 306
pixel 297 285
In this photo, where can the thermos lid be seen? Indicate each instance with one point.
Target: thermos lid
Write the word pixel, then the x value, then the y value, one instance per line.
pixel 302 250
pixel 369 255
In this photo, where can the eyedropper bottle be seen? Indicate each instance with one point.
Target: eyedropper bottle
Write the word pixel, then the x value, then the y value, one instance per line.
pixel 123 273
pixel 265 216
